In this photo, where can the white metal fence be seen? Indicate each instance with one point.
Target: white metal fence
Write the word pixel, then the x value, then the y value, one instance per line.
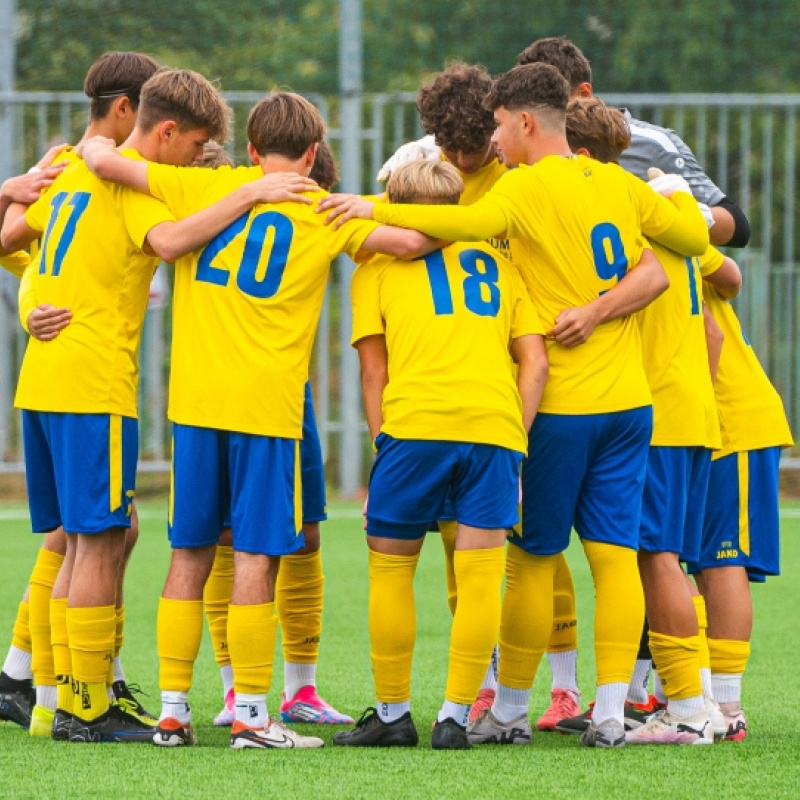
pixel 747 143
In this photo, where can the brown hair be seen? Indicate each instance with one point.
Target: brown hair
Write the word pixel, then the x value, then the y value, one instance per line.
pixel 215 155
pixel 598 128
pixel 324 172
pixel 562 54
pixel 451 108
pixel 284 123
pixel 434 182
pixel 187 98
pixel 538 88
pixel 117 74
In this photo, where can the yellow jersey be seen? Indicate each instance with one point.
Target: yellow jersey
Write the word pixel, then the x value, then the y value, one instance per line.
pixel 15 263
pixel 246 307
pixel 580 223
pixel 448 319
pixel 92 262
pixel 751 414
pixel 676 357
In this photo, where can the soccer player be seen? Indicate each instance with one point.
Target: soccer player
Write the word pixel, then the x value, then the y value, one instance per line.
pixel 81 386
pixel 685 430
pixel 299 588
pixel 651 145
pixel 434 338
pixel 113 84
pixel 741 527
pixel 581 223
pixel 257 288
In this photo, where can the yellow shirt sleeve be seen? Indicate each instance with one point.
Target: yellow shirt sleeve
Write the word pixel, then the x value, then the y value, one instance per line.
pixel 524 319
pixel 365 297
pixel 675 222
pixel 15 263
pixel 473 223
pixel 142 213
pixel 711 261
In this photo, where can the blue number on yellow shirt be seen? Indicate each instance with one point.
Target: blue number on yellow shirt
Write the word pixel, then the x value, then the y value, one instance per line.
pixel 246 278
pixel 690 264
pixel 476 279
pixel 79 201
pixel 604 238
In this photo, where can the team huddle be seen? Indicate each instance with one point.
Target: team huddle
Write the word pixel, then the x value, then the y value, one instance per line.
pixel 546 344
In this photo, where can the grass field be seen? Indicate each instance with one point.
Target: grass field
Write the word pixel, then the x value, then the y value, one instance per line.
pixel 766 764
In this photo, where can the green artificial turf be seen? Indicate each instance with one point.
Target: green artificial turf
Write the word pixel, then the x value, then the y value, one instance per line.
pixel 766 764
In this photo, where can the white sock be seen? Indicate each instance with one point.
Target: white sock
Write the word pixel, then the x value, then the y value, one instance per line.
pixel 705 680
pixel 119 673
pixel 658 689
pixel 176 704
pixel 727 687
pixel 389 712
pixel 510 703
pixel 490 678
pixel 686 708
pixel 251 709
pixel 226 673
pixel 46 697
pixel 455 711
pixel 296 676
pixel 610 703
pixel 564 667
pixel 18 664
pixel 637 688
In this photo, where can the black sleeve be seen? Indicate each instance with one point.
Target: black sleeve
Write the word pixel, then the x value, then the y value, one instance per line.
pixel 741 233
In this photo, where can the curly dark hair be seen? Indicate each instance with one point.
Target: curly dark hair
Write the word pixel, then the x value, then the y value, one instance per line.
pixel 452 108
pixel 598 128
pixel 562 54
pixel 528 86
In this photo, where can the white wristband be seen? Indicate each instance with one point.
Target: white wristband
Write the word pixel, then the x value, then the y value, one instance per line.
pixel 35 169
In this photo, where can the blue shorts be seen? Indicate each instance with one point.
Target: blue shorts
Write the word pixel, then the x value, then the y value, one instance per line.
pixel 741 526
pixel 80 470
pixel 314 500
pixel 674 499
pixel 584 471
pixel 411 481
pixel 253 479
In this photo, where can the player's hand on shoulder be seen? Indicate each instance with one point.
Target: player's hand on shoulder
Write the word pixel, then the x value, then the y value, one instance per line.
pixel 278 187
pixel 412 151
pixel 574 326
pixel 45 322
pixel 344 207
pixel 90 148
pixel 667 183
pixel 50 156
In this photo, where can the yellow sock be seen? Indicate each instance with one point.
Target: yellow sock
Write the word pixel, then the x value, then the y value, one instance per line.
pixel 216 598
pixel 252 631
pixel 619 610
pixel 565 617
pixel 678 664
pixel 298 597
pixel 392 624
pixel 476 622
pixel 179 632
pixel 21 636
pixel 526 620
pixel 119 629
pixel 91 644
pixel 62 660
pixel 449 529
pixel 728 656
pixel 43 577
pixel 702 628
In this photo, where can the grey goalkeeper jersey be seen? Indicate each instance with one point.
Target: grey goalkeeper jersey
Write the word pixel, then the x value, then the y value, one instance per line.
pixel 654 146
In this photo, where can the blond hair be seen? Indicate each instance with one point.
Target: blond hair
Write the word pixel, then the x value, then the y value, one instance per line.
pixel 434 182
pixel 215 155
pixel 285 124
pixel 598 128
pixel 186 97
